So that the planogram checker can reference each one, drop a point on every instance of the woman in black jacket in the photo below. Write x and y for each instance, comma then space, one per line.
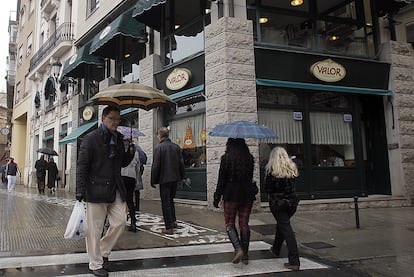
281, 172
235, 185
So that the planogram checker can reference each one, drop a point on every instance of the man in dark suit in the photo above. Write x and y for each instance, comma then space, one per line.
99, 183
167, 169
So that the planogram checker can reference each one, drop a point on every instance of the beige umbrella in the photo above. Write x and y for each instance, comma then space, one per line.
132, 95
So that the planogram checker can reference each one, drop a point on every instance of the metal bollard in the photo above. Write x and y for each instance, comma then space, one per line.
356, 211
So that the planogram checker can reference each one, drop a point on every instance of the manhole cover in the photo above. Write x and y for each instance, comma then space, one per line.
267, 229
318, 245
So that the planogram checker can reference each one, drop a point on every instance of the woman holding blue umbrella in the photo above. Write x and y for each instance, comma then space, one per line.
235, 187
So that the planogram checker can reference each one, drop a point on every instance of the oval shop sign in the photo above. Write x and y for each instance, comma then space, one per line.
178, 78
328, 71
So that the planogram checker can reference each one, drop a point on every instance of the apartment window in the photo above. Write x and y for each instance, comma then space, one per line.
32, 6
92, 6
22, 17
409, 30
29, 44
20, 55
17, 95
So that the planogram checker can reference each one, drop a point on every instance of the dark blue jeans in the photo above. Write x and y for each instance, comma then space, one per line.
284, 232
167, 193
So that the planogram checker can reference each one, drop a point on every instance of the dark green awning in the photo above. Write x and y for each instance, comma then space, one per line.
149, 12
108, 41
73, 136
287, 84
76, 65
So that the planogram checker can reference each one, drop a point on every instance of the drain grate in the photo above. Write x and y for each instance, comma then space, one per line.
265, 230
318, 245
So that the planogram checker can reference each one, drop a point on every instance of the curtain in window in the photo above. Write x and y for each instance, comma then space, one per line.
178, 129
330, 128
282, 123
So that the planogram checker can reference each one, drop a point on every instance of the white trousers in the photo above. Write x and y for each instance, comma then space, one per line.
98, 247
11, 182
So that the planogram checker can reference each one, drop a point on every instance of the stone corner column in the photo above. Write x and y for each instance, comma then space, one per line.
230, 86
149, 122
401, 57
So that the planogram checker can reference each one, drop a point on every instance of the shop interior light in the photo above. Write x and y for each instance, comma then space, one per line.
263, 20
333, 38
208, 11
177, 26
126, 56
296, 3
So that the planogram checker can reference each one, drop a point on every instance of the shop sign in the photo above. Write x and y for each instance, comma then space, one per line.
73, 59
105, 32
178, 78
328, 71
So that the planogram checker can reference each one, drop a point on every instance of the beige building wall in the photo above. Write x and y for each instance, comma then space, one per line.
23, 88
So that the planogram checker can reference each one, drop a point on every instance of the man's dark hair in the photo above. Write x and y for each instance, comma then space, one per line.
109, 109
163, 132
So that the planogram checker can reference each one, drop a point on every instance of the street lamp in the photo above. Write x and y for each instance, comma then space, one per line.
56, 70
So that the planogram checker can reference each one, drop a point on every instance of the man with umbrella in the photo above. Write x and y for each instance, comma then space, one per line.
41, 167
99, 183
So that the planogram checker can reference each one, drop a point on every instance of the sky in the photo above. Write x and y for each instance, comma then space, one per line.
7, 6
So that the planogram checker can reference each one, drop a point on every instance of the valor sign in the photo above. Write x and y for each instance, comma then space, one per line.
328, 71
178, 78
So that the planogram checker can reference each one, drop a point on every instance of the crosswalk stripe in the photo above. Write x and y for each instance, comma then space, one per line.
162, 252
218, 269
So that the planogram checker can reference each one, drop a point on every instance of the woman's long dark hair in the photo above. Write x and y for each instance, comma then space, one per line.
238, 159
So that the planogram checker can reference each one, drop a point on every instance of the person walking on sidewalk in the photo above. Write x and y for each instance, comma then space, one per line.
167, 169
41, 167
140, 185
235, 186
131, 176
52, 172
11, 172
99, 183
281, 172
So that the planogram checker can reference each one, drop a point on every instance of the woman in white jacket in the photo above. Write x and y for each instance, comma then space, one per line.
132, 179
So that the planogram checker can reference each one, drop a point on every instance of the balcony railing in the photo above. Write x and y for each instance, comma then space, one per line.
63, 33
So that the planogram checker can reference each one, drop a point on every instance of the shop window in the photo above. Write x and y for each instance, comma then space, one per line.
276, 96
329, 100
190, 134
287, 124
332, 139
183, 33
323, 26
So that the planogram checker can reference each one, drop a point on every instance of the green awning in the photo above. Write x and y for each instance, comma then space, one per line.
76, 65
149, 12
288, 84
73, 136
123, 35
186, 93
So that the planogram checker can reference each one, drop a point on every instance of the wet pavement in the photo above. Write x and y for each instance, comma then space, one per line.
32, 243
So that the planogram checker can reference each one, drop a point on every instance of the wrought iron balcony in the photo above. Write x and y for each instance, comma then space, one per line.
62, 34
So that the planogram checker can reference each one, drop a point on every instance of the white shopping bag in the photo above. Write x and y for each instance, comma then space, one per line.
77, 222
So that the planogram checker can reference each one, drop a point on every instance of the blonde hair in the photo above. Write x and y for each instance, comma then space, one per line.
280, 165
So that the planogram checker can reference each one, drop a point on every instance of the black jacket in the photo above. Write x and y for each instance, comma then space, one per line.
99, 176
281, 188
167, 163
234, 187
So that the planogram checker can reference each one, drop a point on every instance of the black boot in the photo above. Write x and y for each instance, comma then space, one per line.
137, 196
245, 240
234, 238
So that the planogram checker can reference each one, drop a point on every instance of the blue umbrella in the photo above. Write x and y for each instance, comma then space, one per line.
242, 129
129, 132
